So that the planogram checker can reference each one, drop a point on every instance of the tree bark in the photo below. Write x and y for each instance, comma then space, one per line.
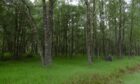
89, 36
131, 28
48, 26
120, 29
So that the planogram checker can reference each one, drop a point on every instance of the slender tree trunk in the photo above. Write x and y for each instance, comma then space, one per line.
116, 37
72, 39
48, 26
102, 26
94, 28
89, 33
120, 30
131, 28
17, 31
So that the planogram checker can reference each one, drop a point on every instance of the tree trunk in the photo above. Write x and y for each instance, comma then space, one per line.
89, 33
120, 30
102, 26
48, 26
131, 28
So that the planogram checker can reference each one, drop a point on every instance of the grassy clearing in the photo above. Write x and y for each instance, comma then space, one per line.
32, 72
132, 78
112, 78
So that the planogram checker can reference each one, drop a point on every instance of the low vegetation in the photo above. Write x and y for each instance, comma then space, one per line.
132, 78
65, 71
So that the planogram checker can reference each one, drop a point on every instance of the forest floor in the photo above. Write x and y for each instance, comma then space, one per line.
71, 71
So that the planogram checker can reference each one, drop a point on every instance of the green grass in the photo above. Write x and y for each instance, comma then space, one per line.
32, 72
132, 78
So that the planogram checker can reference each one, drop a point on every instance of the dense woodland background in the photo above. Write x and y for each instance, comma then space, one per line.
62, 28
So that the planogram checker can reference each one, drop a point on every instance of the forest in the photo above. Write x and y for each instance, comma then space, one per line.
69, 41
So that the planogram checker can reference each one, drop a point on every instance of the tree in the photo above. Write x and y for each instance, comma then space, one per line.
131, 27
89, 31
48, 27
102, 25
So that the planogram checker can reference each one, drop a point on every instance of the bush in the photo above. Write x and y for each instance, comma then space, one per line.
28, 55
7, 55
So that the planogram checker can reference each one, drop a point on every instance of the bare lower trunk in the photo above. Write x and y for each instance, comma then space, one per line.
88, 30
48, 26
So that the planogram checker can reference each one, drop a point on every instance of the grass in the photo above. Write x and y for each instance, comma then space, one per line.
32, 72
132, 78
